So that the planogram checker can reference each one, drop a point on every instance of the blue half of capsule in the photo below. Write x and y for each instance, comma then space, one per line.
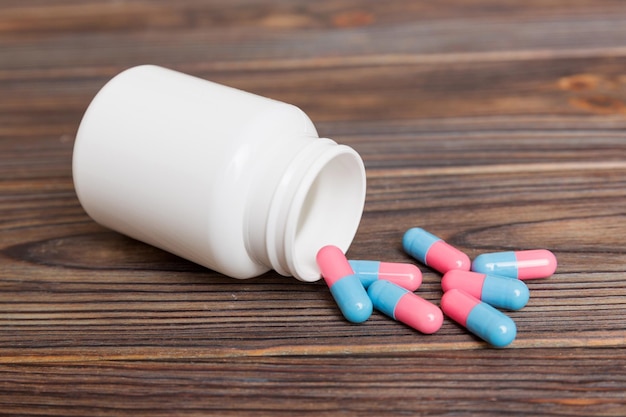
491, 325
499, 263
505, 292
352, 299
386, 296
416, 242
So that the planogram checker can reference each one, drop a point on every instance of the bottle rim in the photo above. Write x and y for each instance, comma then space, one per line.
320, 202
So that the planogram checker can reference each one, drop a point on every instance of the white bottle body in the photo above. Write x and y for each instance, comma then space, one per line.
233, 181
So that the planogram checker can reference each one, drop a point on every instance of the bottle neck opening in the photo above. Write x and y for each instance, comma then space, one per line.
318, 202
325, 208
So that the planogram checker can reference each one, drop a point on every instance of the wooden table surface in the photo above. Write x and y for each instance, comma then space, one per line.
497, 125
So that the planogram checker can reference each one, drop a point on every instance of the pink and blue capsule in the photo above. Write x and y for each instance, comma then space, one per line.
405, 306
405, 275
345, 286
433, 251
525, 264
479, 318
497, 291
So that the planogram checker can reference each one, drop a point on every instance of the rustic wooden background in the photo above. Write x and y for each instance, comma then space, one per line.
497, 125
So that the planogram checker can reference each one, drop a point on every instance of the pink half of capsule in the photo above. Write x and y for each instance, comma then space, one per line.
333, 264
403, 274
405, 306
433, 251
444, 257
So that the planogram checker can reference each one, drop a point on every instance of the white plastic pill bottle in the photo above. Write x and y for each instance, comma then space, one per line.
230, 180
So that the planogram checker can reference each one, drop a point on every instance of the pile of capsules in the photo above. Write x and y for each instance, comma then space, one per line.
473, 291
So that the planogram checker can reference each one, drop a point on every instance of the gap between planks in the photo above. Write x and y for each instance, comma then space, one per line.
69, 355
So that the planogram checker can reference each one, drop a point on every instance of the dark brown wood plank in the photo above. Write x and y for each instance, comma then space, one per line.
541, 383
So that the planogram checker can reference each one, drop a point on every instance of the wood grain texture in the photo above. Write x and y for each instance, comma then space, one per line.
497, 125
